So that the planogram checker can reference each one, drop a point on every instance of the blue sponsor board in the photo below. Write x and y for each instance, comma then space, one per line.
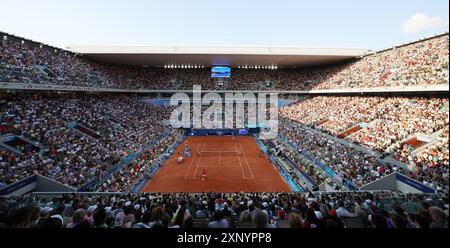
310, 180
243, 132
222, 132
285, 175
412, 183
348, 184
7, 138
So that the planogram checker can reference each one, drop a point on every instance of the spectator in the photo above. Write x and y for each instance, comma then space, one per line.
156, 213
78, 216
438, 218
295, 221
342, 212
311, 220
219, 221
21, 218
100, 218
146, 220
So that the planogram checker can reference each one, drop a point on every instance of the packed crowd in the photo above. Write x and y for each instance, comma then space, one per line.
421, 63
73, 157
400, 117
387, 120
331, 114
233, 210
346, 162
298, 164
432, 163
129, 176
122, 124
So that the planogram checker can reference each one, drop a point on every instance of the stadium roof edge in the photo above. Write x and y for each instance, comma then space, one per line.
446, 33
209, 55
200, 46
260, 56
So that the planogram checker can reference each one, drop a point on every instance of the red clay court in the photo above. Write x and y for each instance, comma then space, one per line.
232, 166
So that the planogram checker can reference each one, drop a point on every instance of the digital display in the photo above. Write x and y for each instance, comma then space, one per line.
220, 72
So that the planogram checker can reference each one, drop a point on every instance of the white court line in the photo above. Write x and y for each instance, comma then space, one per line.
211, 166
218, 151
248, 165
192, 161
198, 161
240, 165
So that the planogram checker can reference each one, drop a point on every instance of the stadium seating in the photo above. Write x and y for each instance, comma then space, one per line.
122, 122
108, 143
386, 122
421, 63
332, 210
71, 156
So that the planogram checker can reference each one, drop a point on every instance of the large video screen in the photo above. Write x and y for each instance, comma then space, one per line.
220, 72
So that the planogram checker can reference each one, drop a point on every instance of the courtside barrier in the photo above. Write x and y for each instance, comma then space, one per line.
280, 168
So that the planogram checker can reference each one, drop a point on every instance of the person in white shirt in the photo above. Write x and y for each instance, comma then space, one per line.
342, 212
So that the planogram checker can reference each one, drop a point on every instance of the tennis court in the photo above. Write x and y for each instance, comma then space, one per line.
232, 165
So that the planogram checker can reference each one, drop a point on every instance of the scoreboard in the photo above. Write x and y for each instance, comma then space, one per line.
220, 72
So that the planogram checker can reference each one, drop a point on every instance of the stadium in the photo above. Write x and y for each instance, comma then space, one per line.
87, 139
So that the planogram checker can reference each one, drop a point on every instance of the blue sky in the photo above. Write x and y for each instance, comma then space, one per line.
368, 24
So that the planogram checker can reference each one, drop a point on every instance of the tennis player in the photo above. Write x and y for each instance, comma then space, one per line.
204, 174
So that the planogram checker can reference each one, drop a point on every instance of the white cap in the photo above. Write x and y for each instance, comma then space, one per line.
46, 210
57, 216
